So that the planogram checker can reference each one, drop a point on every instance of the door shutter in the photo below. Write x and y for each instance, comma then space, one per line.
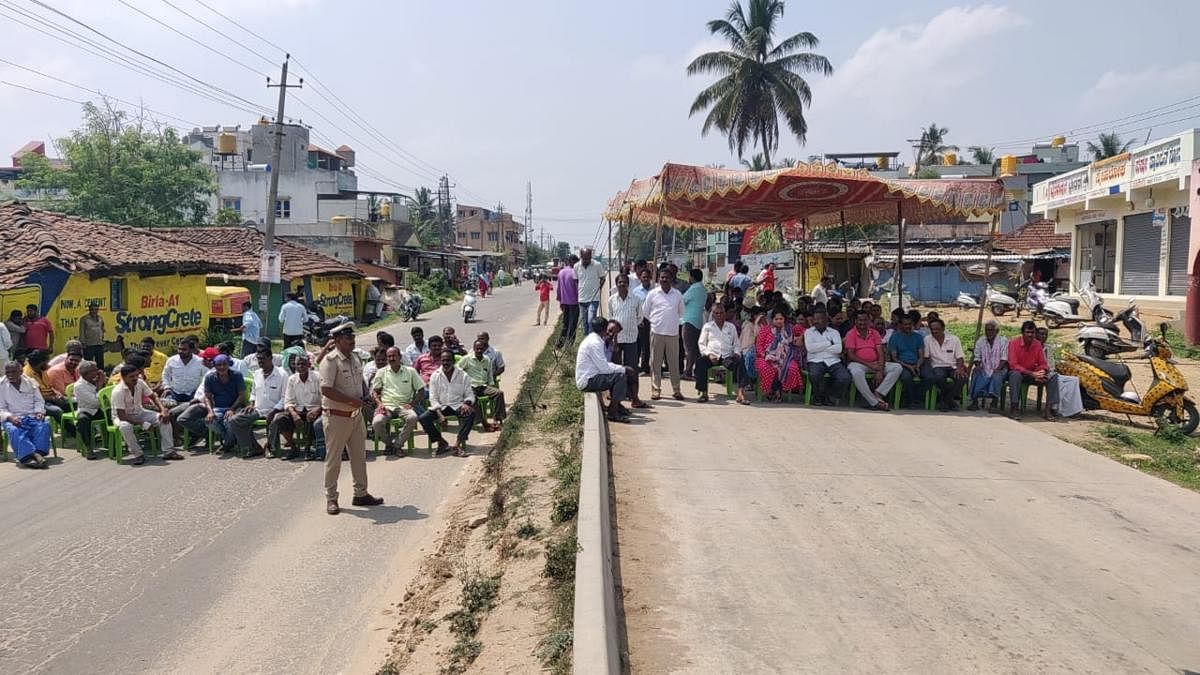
1181, 228
1139, 259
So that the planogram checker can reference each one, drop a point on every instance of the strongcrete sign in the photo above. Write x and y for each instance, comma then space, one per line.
334, 294
164, 308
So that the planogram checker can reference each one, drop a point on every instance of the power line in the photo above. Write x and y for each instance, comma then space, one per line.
185, 36
213, 29
43, 93
1101, 125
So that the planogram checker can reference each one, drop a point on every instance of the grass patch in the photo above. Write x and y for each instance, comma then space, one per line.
1174, 456
568, 463
560, 559
478, 597
1179, 343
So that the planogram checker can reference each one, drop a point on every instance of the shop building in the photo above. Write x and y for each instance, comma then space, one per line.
1129, 219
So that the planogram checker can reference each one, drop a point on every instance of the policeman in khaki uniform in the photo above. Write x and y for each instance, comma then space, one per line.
342, 396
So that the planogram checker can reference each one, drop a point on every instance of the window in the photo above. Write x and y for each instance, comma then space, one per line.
474, 235
283, 208
232, 203
116, 294
492, 236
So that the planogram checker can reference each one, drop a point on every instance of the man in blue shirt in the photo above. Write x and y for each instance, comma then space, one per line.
224, 397
251, 330
741, 279
908, 349
694, 299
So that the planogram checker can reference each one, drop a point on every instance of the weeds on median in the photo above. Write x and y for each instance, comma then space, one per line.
1174, 456
478, 597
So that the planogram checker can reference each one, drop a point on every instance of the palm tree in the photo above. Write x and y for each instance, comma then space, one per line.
982, 155
933, 144
759, 163
760, 80
1109, 145
423, 215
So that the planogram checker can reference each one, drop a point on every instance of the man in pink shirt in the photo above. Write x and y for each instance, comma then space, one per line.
864, 351
1027, 365
39, 332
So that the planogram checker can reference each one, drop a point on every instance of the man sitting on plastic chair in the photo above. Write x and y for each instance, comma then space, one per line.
269, 383
128, 412
450, 394
302, 405
224, 396
396, 389
479, 368
24, 413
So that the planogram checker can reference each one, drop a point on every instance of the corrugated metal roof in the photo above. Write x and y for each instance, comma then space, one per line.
890, 256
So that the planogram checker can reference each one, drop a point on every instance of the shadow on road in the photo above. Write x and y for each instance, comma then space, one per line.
387, 514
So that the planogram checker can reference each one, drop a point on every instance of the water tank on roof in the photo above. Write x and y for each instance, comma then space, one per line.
226, 144
1008, 165
1058, 141
949, 159
339, 220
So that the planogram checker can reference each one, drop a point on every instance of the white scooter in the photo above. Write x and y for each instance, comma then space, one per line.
1093, 303
1057, 311
468, 306
966, 301
1000, 303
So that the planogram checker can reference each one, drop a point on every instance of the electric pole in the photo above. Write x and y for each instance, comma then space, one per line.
269, 258
528, 217
444, 219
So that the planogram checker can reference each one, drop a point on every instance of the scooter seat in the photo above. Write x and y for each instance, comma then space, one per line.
1119, 372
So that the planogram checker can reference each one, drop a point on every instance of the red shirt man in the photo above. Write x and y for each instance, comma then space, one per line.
1026, 356
543, 288
38, 330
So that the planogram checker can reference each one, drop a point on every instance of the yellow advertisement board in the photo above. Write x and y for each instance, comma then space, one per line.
334, 294
19, 298
164, 308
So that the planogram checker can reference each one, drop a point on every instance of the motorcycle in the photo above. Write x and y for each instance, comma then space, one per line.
1094, 303
411, 307
468, 306
316, 330
1056, 310
966, 301
1102, 386
1102, 339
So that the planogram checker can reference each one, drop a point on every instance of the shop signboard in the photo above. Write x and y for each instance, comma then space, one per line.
1069, 188
334, 294
164, 308
1158, 163
1095, 216
1109, 175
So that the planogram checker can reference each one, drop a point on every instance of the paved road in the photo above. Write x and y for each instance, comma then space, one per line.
783, 539
224, 564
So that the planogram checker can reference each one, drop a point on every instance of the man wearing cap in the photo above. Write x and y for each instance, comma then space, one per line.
91, 334
343, 394
224, 396
291, 317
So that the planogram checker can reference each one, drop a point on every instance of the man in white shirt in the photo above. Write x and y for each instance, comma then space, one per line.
594, 372
823, 346
990, 367
128, 411
944, 367
625, 309
820, 292
417, 348
590, 275
23, 411
450, 394
719, 347
181, 375
301, 409
269, 383
663, 308
292, 316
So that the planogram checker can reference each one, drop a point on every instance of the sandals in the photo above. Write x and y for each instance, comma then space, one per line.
702, 398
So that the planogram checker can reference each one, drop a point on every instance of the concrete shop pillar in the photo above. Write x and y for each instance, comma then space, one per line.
1192, 313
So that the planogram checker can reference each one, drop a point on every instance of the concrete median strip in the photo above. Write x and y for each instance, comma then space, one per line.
596, 628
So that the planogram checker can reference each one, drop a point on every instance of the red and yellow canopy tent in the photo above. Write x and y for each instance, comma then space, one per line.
811, 196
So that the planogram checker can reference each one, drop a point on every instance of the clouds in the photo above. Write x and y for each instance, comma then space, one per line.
1141, 87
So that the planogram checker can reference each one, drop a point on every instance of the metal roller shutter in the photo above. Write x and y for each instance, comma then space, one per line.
1181, 227
1139, 259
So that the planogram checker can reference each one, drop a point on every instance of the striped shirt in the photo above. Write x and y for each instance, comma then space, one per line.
628, 312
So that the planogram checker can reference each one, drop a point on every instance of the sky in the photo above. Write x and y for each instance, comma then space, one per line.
578, 98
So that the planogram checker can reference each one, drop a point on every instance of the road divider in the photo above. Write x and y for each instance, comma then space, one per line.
596, 628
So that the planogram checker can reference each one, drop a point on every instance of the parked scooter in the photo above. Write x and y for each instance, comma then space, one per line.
1102, 386
1103, 339
966, 301
1057, 311
1093, 304
468, 306
1000, 303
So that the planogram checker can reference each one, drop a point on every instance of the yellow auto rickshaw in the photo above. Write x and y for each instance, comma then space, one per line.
226, 306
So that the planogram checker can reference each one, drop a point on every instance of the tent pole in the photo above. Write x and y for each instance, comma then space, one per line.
609, 253
658, 234
900, 253
627, 228
803, 255
845, 245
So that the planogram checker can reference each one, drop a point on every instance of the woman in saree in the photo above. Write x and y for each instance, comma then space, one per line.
776, 372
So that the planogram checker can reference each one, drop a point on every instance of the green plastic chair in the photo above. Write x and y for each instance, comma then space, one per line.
394, 425
115, 441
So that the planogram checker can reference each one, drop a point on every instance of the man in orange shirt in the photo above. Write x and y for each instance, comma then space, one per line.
1027, 365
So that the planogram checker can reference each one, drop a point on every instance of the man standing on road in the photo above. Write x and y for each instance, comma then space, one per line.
251, 330
543, 288
640, 291
291, 318
91, 334
594, 372
664, 309
626, 310
590, 276
820, 292
567, 293
694, 299
342, 397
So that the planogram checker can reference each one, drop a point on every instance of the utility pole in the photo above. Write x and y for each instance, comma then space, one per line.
528, 217
267, 279
443, 200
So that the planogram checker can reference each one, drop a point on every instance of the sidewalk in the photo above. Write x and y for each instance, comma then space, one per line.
784, 539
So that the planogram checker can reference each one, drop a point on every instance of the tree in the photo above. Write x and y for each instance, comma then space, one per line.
933, 145
562, 250
423, 215
227, 218
536, 255
759, 163
1108, 145
126, 171
759, 79
982, 155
